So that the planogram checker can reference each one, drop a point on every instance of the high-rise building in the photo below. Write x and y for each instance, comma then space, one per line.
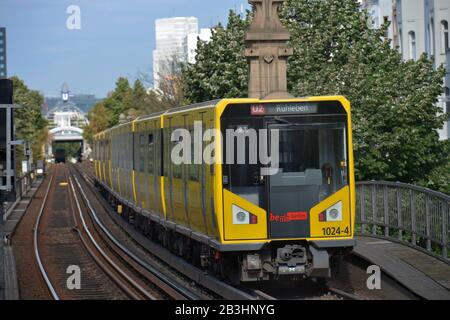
191, 42
3, 71
416, 27
170, 45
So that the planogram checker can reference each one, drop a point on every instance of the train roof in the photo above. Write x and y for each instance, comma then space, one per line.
216, 102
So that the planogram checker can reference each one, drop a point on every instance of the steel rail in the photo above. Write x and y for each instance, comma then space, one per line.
44, 274
197, 275
166, 280
119, 270
344, 294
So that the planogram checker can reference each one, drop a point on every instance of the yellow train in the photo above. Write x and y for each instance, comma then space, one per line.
264, 189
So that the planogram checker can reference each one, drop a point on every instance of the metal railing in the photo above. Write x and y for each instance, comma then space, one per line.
22, 186
412, 215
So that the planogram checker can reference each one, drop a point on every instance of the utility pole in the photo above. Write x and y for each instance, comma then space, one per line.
267, 51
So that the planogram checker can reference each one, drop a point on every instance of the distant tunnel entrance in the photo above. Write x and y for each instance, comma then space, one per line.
67, 151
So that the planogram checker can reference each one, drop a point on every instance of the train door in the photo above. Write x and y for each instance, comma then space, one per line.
293, 183
312, 159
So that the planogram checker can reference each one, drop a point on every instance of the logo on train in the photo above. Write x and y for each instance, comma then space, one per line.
289, 217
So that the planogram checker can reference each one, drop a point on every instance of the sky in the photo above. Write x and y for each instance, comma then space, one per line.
116, 38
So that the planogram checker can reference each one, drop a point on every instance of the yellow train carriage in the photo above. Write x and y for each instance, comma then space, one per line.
262, 222
147, 154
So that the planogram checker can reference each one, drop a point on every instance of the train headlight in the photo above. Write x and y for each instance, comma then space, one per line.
240, 216
334, 213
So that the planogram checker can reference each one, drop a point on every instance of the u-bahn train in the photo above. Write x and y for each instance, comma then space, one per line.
245, 219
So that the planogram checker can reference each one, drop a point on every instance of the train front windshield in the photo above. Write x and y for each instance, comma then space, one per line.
312, 162
314, 155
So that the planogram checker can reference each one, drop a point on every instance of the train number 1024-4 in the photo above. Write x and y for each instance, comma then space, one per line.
332, 231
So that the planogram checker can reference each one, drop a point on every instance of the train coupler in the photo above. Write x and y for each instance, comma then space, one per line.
291, 260
295, 261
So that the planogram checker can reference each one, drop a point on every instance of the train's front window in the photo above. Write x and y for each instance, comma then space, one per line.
312, 156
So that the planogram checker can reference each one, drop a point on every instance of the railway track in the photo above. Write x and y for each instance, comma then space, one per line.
57, 248
307, 290
65, 234
154, 253
140, 267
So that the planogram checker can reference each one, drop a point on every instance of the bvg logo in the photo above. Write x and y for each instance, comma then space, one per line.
289, 217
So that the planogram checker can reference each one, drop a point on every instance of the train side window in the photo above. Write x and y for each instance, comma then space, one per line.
176, 168
151, 146
127, 155
101, 150
193, 167
122, 154
142, 153
114, 152
161, 158
166, 154
119, 147
132, 159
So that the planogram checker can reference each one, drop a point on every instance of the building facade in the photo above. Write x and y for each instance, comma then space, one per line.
3, 71
66, 122
170, 45
191, 42
447, 92
417, 27
380, 11
176, 42
66, 113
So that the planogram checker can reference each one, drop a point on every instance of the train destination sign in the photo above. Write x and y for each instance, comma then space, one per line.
278, 109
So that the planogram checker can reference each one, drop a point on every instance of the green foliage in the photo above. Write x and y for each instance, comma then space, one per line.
394, 102
29, 123
439, 178
125, 103
394, 107
99, 120
72, 150
119, 101
221, 70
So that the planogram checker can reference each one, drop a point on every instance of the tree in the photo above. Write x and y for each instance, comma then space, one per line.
394, 102
147, 102
99, 121
119, 101
221, 69
394, 107
30, 125
72, 150
126, 102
